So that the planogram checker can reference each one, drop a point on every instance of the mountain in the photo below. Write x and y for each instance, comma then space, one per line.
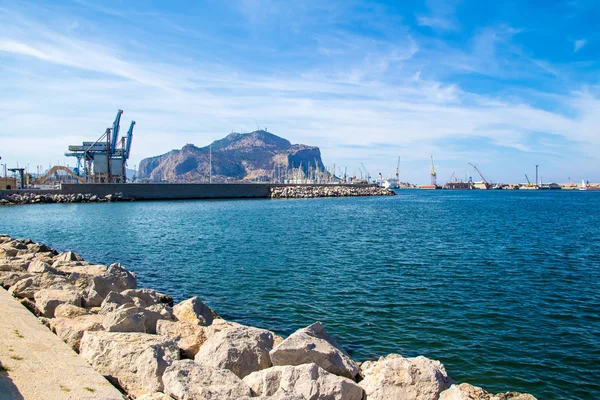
256, 156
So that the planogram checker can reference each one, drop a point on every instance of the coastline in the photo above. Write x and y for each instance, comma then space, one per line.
98, 310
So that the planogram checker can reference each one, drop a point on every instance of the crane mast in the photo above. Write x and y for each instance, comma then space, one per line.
485, 182
115, 132
433, 174
366, 172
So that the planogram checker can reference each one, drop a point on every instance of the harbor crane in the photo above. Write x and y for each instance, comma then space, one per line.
433, 174
528, 181
366, 172
485, 182
398, 171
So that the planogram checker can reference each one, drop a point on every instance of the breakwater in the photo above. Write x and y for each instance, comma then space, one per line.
186, 350
92, 193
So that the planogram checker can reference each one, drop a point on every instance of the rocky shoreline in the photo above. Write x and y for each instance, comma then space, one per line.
47, 198
153, 349
304, 192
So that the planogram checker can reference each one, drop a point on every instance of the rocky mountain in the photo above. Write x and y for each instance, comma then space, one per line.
256, 156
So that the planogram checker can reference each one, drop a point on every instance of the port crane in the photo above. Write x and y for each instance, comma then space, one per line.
433, 174
485, 182
398, 172
366, 172
528, 181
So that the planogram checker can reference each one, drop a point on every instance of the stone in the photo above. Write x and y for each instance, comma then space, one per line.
39, 267
27, 287
70, 311
76, 267
313, 344
219, 325
134, 361
396, 377
147, 297
194, 311
46, 300
189, 337
129, 318
115, 279
155, 396
112, 301
465, 391
187, 380
71, 330
307, 381
68, 256
8, 278
241, 350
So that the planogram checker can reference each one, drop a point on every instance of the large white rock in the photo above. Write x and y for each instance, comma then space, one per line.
70, 311
187, 380
189, 337
39, 267
313, 345
71, 330
68, 256
147, 297
465, 391
241, 350
194, 311
125, 319
134, 361
46, 300
115, 279
27, 287
307, 380
396, 377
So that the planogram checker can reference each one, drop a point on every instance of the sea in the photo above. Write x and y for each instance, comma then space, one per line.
503, 287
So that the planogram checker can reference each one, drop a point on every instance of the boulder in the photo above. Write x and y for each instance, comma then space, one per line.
194, 311
313, 344
155, 396
27, 286
219, 325
134, 361
147, 297
465, 391
77, 267
128, 318
307, 381
71, 330
46, 300
115, 279
14, 266
189, 337
112, 301
39, 267
396, 377
68, 256
187, 380
241, 350
8, 279
70, 311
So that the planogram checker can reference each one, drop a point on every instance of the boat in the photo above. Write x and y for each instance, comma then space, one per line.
390, 183
583, 185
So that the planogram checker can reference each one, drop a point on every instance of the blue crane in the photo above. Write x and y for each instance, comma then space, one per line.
128, 144
115, 132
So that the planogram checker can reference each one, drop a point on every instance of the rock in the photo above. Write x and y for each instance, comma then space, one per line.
112, 301
8, 279
40, 267
68, 256
69, 311
307, 380
189, 337
147, 297
134, 361
155, 396
125, 319
186, 380
219, 325
76, 267
71, 330
465, 391
241, 350
27, 287
313, 344
396, 377
115, 279
46, 300
128, 318
30, 305
194, 311
14, 266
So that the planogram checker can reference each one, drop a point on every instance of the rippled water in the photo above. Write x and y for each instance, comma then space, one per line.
501, 286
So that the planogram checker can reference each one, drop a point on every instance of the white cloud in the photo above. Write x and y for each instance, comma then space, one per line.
578, 44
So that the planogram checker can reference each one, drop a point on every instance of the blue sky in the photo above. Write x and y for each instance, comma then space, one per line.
504, 85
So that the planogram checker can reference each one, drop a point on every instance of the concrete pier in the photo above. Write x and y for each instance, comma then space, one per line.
37, 365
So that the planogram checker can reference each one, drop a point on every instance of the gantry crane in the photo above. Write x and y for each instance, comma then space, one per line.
366, 172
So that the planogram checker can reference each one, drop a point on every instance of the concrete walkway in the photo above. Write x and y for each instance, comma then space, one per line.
36, 365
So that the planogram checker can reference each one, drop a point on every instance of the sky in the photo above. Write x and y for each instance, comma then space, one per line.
503, 85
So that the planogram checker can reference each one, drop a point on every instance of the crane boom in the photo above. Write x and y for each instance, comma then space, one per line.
481, 175
366, 172
398, 170
528, 181
129, 138
115, 132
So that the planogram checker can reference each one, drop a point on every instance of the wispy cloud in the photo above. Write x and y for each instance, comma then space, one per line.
578, 44
441, 15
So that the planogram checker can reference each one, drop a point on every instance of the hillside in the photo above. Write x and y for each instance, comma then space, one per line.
255, 156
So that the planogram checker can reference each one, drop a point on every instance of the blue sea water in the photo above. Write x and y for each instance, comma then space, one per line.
503, 287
